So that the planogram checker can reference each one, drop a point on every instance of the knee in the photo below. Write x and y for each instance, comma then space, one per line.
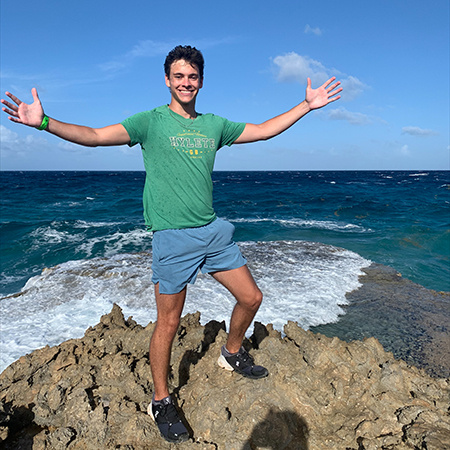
253, 299
168, 325
258, 298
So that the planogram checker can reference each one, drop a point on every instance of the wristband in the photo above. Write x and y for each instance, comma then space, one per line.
44, 123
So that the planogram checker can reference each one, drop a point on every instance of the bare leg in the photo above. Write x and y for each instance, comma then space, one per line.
248, 296
169, 308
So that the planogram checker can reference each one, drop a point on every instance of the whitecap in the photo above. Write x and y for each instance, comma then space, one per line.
309, 224
85, 224
115, 242
51, 235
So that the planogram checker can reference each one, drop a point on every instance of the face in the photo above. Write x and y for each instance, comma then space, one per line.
184, 81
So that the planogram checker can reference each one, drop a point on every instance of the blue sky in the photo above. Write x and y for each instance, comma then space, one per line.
97, 62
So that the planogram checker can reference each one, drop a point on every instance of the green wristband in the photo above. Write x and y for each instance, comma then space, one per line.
44, 123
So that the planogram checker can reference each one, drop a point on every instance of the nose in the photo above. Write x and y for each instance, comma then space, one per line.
186, 81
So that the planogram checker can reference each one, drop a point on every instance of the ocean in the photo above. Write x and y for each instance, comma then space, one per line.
74, 243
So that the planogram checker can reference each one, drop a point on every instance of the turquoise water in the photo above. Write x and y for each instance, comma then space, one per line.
400, 219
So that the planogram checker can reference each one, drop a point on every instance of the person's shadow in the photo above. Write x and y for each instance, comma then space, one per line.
279, 430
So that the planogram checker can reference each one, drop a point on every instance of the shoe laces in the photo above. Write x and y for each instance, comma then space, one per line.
245, 357
169, 413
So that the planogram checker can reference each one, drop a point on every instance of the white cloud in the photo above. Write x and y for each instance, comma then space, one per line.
404, 151
353, 118
10, 140
12, 144
7, 136
293, 67
317, 31
416, 131
352, 87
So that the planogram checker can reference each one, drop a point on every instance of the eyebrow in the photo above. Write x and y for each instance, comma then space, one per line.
182, 74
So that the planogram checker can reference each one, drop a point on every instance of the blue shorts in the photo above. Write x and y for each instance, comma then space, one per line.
178, 255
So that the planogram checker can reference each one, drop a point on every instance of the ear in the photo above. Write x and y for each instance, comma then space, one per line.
167, 80
201, 83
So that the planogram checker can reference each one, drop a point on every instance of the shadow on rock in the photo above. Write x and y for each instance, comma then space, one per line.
280, 430
259, 334
211, 330
192, 357
22, 428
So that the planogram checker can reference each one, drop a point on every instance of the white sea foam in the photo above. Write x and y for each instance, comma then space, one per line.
51, 235
112, 243
83, 224
309, 224
115, 242
301, 281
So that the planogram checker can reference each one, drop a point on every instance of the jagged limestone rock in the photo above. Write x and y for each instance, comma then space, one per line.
93, 392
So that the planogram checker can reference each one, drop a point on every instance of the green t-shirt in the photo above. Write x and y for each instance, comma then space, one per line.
179, 156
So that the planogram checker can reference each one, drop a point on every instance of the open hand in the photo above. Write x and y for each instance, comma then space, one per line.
20, 112
317, 98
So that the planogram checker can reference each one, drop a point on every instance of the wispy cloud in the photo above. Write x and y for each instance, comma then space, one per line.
55, 80
14, 145
7, 137
352, 87
353, 118
293, 67
404, 151
149, 49
143, 49
416, 131
310, 30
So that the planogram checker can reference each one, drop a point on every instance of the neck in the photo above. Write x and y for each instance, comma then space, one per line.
187, 111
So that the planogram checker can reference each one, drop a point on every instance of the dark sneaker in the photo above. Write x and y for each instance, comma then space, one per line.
168, 420
242, 363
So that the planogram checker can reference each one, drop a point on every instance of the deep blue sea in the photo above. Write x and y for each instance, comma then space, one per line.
72, 243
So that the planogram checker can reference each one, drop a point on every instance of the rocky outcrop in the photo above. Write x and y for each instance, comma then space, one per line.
409, 320
92, 393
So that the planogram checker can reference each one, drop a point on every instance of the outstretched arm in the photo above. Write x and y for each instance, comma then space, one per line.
33, 114
314, 99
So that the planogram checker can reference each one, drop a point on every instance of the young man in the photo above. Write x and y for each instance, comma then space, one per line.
179, 147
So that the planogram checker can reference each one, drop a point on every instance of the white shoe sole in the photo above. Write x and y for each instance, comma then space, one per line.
150, 412
224, 363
